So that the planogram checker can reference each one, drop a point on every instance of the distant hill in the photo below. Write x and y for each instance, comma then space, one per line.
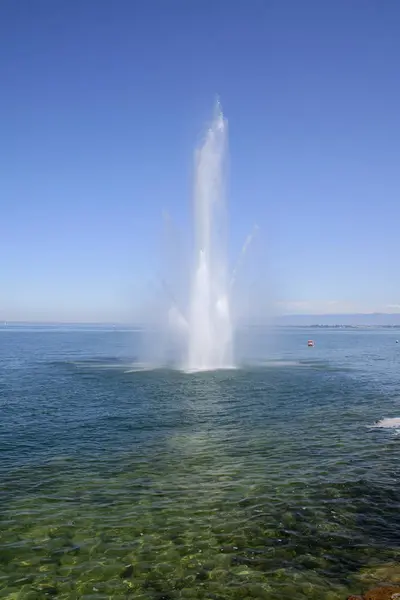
346, 320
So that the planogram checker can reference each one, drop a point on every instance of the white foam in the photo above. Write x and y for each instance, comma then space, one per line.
393, 423
208, 369
141, 367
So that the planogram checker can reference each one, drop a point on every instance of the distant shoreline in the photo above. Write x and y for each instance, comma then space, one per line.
9, 325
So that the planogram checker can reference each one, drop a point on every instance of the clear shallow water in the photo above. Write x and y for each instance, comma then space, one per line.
260, 482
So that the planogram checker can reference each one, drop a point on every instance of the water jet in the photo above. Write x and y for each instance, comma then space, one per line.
209, 324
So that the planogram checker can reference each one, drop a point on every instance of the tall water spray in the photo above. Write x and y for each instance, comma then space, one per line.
209, 319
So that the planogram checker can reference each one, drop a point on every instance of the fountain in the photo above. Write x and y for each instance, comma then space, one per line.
197, 334
190, 325
209, 326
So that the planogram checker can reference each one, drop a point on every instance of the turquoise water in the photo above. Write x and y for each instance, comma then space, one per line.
263, 482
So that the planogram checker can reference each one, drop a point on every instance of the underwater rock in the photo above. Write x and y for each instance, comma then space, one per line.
202, 575
127, 572
46, 589
384, 592
388, 592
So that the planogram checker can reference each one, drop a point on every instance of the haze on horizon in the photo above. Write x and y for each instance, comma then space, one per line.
102, 105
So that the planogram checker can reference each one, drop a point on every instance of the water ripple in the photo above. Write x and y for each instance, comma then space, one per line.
260, 482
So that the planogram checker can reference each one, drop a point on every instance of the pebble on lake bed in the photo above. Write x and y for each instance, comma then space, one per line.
384, 592
127, 572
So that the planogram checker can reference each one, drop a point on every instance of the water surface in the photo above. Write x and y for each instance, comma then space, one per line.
261, 482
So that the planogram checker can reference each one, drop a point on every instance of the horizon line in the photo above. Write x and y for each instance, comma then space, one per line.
132, 323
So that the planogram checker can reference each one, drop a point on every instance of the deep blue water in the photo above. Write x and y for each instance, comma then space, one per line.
263, 482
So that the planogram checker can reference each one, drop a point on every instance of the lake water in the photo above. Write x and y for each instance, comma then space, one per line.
267, 481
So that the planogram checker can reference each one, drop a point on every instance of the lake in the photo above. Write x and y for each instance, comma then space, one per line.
267, 481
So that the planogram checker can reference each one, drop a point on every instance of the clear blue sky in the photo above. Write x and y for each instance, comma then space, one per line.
102, 102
